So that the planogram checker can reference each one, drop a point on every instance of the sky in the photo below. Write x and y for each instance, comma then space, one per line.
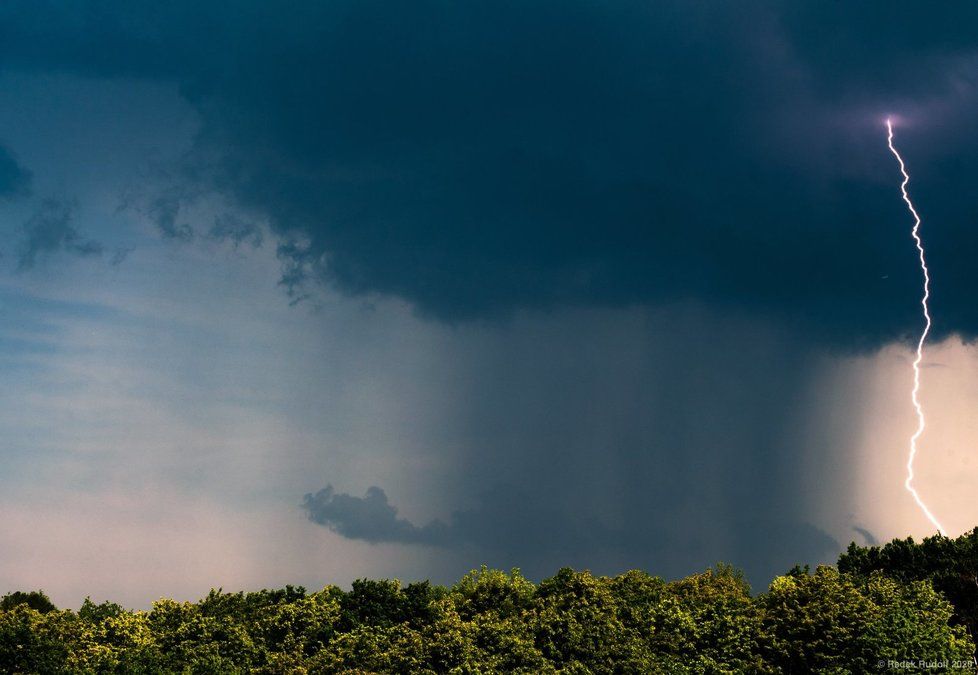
308, 292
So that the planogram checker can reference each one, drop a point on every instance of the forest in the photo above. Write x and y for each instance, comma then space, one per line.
905, 606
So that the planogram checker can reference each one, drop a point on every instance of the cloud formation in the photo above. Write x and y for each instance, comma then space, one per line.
229, 227
50, 231
370, 518
480, 158
511, 525
164, 210
506, 519
879, 48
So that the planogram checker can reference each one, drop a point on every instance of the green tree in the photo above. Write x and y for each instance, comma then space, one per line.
721, 633
36, 600
578, 628
498, 622
838, 623
487, 591
116, 642
32, 642
386, 603
951, 565
489, 609
201, 643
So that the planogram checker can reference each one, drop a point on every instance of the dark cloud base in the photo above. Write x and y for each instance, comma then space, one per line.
479, 158
614, 440
370, 518
511, 528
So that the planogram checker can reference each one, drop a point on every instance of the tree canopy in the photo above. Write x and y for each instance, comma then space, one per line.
950, 565
900, 603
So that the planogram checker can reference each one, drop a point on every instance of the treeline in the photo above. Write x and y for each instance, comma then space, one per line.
905, 606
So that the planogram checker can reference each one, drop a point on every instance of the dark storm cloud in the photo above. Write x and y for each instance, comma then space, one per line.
506, 519
370, 518
511, 525
50, 231
611, 440
480, 158
14, 179
900, 46
475, 158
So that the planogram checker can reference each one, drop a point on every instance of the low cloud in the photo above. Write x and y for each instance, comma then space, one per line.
512, 527
369, 518
504, 518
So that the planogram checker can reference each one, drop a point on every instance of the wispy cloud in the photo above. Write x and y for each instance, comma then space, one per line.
50, 231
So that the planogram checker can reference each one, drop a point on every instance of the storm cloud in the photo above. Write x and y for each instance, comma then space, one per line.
479, 158
506, 519
613, 439
370, 518
882, 49
635, 228
510, 527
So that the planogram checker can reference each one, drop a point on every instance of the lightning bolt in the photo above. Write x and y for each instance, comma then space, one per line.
914, 393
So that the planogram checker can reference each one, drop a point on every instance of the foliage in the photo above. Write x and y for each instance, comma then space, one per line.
497, 622
950, 565
829, 622
33, 599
